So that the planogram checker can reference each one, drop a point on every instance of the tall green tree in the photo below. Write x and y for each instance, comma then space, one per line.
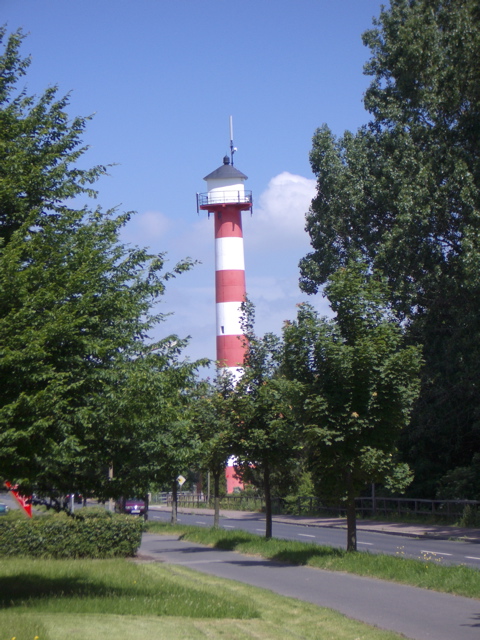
404, 191
267, 435
39, 148
151, 437
216, 423
359, 382
76, 305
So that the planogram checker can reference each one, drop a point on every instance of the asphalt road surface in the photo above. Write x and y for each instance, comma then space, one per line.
417, 613
442, 551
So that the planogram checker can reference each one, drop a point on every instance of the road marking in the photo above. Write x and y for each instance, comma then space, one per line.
472, 558
228, 526
369, 543
436, 553
190, 562
259, 529
306, 535
199, 522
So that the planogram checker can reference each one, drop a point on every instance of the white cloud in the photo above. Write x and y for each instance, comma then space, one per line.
275, 241
279, 218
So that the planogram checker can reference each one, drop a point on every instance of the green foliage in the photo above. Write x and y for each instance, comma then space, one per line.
156, 402
215, 420
470, 517
39, 147
267, 433
404, 192
58, 536
461, 483
76, 313
360, 383
215, 425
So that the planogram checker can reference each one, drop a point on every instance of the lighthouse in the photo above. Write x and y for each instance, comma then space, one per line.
226, 199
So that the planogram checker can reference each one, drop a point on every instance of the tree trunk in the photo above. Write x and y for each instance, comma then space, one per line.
268, 502
111, 501
216, 498
173, 519
147, 504
351, 517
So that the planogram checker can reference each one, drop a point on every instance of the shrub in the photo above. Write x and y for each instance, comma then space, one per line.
470, 517
95, 535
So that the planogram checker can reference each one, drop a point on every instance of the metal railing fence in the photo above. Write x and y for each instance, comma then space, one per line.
224, 197
309, 505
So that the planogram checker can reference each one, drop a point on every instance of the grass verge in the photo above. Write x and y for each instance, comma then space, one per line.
124, 600
426, 573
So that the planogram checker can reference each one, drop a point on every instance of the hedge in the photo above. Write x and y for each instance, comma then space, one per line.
59, 536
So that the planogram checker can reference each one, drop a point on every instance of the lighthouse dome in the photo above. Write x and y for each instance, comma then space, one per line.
226, 172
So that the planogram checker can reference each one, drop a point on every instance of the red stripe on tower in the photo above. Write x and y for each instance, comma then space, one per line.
226, 198
229, 285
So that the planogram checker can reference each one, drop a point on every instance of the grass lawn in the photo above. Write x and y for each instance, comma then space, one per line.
127, 600
427, 573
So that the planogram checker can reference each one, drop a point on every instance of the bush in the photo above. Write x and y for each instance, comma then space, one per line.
470, 517
95, 535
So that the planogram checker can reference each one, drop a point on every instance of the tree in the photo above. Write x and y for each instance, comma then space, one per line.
404, 191
151, 437
76, 306
360, 383
267, 437
216, 422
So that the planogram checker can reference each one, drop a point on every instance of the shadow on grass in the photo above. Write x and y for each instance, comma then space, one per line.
16, 590
231, 543
305, 556
226, 543
291, 553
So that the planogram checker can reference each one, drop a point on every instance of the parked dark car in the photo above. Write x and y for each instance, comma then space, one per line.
132, 506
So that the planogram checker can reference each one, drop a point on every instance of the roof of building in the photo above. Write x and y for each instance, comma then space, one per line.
226, 171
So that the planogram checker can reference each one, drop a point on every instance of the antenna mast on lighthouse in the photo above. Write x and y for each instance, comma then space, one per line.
226, 198
232, 148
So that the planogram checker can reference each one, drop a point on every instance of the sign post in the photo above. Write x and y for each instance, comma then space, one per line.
24, 502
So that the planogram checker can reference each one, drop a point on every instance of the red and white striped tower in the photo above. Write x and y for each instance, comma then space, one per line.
226, 198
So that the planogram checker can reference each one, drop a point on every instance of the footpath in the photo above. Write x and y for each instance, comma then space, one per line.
416, 613
440, 532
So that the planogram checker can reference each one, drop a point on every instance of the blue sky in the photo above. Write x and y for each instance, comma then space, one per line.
162, 79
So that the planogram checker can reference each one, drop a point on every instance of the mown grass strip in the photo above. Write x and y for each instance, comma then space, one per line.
426, 573
121, 600
110, 586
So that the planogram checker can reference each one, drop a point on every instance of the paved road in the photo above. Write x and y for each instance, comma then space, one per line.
417, 613
446, 545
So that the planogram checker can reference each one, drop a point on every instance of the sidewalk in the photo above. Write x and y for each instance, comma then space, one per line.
440, 532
